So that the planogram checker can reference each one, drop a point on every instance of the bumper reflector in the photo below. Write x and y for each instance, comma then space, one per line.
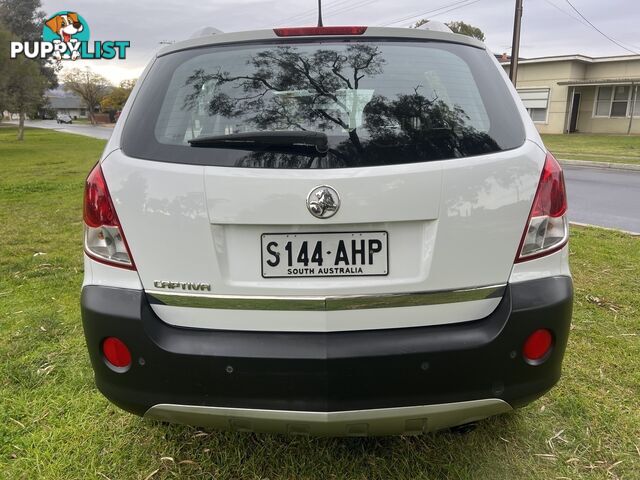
116, 353
537, 346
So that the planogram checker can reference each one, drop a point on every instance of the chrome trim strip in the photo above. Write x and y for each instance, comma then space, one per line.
380, 421
325, 303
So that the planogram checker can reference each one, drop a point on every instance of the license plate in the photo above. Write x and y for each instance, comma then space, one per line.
343, 254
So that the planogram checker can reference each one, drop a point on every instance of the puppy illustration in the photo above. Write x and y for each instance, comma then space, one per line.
65, 25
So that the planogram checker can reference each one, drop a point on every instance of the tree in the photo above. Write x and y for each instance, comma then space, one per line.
24, 19
5, 60
118, 96
22, 84
89, 86
419, 23
466, 29
457, 27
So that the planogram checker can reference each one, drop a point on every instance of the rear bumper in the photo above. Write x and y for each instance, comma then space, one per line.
379, 421
364, 382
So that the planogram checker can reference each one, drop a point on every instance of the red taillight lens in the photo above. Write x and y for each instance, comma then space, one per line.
310, 31
116, 353
537, 345
551, 197
103, 236
546, 231
98, 209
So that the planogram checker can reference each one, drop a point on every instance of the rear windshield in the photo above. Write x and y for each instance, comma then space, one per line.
377, 102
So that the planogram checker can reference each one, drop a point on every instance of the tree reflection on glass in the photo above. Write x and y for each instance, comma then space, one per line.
286, 89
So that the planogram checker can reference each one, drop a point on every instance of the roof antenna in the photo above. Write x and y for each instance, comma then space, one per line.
319, 13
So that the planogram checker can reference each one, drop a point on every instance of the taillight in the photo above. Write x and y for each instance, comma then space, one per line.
547, 230
103, 236
310, 31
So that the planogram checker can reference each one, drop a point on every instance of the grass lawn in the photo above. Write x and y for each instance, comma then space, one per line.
55, 425
596, 148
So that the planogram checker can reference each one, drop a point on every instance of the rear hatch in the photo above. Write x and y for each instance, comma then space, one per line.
416, 197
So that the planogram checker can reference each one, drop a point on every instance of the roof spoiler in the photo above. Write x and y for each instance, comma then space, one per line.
435, 26
205, 31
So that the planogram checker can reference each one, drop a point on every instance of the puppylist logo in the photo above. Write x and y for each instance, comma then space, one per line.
65, 36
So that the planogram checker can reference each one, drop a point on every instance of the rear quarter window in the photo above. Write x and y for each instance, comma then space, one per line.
378, 102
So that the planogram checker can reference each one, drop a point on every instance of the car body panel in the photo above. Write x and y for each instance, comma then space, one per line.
210, 217
414, 350
203, 224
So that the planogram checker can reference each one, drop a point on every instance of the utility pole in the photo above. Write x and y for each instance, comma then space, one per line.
515, 44
319, 13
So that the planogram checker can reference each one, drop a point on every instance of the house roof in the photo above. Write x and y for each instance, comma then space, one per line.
601, 81
66, 101
577, 58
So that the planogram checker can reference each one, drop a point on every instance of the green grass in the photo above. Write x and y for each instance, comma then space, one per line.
595, 148
55, 425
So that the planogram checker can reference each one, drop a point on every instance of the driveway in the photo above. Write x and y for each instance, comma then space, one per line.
604, 197
102, 132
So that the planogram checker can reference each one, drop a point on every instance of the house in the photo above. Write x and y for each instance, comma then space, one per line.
62, 102
577, 93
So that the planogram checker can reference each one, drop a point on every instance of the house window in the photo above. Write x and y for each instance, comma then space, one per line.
636, 107
536, 101
83, 112
620, 101
538, 114
603, 101
615, 102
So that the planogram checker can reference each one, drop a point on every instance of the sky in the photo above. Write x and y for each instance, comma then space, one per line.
549, 27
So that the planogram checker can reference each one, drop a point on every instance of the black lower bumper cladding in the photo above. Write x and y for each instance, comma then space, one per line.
328, 372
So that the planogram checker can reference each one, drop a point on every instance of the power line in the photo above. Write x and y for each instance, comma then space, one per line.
455, 8
333, 8
600, 31
342, 6
352, 7
453, 4
582, 22
557, 7
311, 12
409, 17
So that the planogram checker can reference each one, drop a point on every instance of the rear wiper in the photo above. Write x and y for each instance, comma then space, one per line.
283, 139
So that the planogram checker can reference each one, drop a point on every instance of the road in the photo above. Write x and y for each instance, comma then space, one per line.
86, 130
604, 197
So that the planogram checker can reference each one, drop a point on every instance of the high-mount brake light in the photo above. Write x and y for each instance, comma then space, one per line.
103, 236
311, 31
546, 231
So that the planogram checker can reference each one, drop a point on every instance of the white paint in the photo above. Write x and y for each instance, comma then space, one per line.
451, 224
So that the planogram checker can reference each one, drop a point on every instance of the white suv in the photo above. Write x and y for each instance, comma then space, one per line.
333, 230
